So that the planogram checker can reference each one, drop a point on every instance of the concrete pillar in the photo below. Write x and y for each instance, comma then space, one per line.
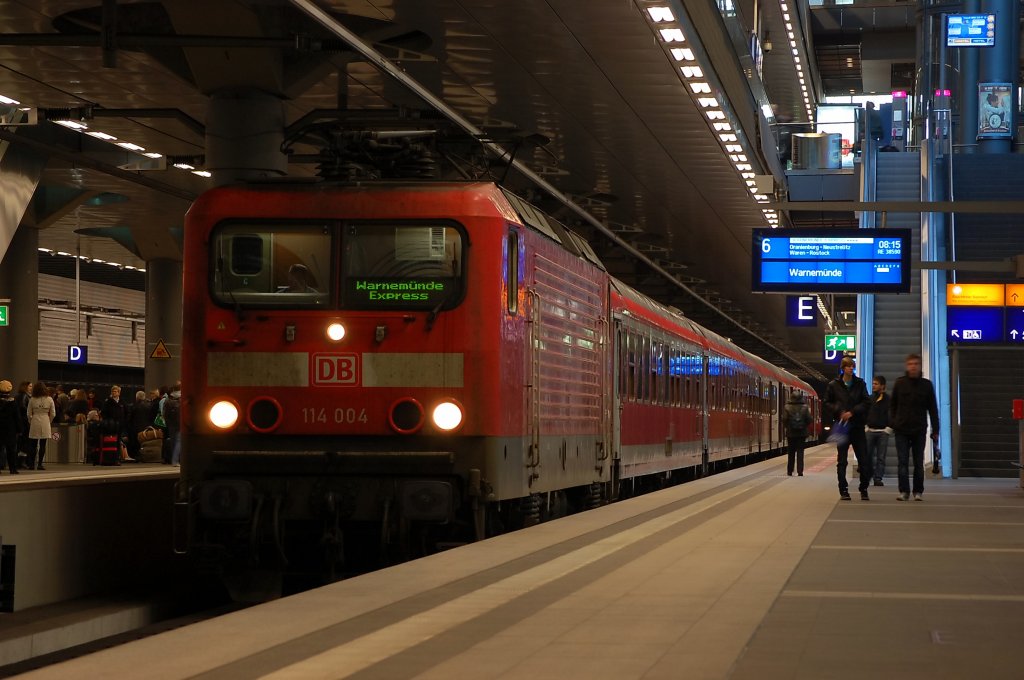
999, 64
19, 290
163, 321
244, 131
969, 58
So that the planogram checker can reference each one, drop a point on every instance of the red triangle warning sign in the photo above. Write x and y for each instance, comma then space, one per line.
160, 351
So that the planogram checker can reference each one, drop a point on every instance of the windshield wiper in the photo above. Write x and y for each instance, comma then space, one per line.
436, 311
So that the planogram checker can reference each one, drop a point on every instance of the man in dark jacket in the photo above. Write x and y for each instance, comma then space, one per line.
911, 405
848, 401
10, 428
877, 428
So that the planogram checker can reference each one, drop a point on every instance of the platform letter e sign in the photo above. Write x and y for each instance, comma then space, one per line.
335, 369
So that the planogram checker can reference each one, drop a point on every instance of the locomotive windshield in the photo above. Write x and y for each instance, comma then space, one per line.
406, 266
272, 265
381, 266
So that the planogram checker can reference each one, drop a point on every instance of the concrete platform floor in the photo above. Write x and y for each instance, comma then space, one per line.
69, 473
746, 574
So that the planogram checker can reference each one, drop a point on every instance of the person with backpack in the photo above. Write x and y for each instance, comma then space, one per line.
798, 419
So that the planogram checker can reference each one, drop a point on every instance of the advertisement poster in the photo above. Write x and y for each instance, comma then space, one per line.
994, 109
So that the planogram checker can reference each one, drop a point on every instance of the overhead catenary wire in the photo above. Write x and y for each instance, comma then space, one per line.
391, 69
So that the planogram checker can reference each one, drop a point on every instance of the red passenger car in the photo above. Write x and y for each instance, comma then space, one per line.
431, 363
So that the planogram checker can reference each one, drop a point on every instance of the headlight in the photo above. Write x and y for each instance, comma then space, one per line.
223, 414
336, 331
447, 416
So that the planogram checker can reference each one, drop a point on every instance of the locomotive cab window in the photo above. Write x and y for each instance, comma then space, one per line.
401, 266
271, 265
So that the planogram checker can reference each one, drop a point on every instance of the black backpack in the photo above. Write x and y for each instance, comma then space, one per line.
796, 424
172, 412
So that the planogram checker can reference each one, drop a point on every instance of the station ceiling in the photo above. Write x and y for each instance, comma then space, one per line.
610, 121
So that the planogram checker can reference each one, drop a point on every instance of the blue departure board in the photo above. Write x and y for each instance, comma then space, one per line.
831, 260
970, 30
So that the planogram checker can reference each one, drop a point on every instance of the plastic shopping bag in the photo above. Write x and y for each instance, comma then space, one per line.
840, 434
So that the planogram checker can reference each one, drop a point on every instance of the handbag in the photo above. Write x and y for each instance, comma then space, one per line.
150, 433
840, 434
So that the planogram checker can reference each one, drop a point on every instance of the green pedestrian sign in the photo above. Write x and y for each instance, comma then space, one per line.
4, 310
840, 343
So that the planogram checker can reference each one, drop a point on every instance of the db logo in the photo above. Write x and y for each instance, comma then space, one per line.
335, 369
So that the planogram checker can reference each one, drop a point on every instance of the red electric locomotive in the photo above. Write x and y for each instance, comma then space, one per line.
427, 364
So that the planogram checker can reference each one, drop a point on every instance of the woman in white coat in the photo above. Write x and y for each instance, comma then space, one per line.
41, 413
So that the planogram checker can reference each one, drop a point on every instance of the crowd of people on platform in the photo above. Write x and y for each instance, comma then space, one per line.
28, 414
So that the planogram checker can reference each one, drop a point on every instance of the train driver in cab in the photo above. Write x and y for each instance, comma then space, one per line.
300, 280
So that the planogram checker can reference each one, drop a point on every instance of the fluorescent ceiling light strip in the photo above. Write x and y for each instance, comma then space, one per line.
101, 135
73, 124
660, 14
672, 35
8, 100
682, 54
130, 146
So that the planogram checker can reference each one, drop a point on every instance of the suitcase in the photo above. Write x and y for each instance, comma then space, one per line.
110, 450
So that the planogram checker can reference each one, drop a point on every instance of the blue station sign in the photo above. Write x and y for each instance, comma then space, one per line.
974, 324
802, 311
78, 354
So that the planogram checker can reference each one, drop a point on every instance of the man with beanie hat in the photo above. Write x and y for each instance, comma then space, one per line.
10, 427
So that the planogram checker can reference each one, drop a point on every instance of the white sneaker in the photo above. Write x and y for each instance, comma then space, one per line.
917, 497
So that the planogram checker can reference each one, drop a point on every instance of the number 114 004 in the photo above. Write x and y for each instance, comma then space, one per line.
339, 415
